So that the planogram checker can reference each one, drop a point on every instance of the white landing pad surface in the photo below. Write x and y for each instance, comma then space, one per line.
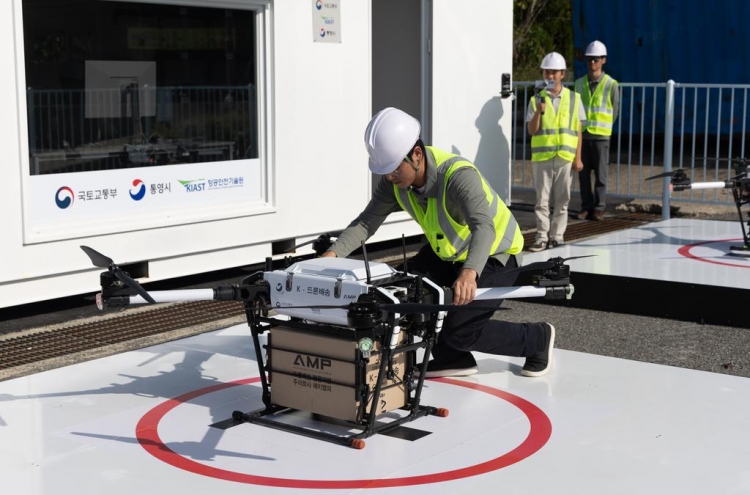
676, 250
138, 423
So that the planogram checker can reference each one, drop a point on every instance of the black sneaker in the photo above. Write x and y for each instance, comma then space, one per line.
540, 363
461, 367
554, 244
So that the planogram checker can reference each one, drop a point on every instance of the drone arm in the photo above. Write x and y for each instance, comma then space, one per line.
396, 327
188, 295
440, 300
708, 185
244, 293
523, 291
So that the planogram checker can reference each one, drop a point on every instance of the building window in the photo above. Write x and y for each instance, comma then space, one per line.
115, 85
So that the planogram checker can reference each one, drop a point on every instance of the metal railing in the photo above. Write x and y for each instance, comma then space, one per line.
660, 127
85, 129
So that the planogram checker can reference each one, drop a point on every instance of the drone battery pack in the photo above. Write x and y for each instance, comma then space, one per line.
320, 373
322, 282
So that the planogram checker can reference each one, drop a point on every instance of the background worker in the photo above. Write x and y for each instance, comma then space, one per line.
555, 131
473, 239
601, 98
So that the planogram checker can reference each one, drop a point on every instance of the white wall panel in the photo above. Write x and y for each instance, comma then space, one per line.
317, 100
472, 46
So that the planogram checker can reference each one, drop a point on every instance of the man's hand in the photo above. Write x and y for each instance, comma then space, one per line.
465, 286
328, 254
577, 165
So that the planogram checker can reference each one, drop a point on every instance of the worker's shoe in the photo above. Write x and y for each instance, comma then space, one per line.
597, 215
464, 366
583, 215
538, 246
541, 362
554, 244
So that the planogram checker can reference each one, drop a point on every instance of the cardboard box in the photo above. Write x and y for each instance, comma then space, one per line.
331, 370
335, 401
317, 373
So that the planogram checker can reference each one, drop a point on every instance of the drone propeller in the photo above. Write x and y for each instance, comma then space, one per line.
673, 174
101, 261
546, 265
97, 258
320, 243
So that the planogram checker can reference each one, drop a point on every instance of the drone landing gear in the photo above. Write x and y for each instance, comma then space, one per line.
743, 251
741, 193
357, 380
267, 417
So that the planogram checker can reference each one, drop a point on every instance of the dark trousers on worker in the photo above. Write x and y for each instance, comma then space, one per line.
465, 331
595, 158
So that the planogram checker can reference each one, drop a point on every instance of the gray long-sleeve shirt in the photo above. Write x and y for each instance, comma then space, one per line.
465, 201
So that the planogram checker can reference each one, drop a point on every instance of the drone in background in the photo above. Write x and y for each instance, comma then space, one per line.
740, 186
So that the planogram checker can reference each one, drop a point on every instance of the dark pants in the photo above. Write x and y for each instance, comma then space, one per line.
595, 158
465, 331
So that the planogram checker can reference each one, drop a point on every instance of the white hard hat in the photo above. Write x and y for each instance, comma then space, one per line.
390, 136
553, 61
596, 49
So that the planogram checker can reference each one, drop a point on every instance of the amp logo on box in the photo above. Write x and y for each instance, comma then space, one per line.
312, 362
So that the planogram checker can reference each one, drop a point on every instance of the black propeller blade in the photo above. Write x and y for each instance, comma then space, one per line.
546, 265
323, 242
579, 257
101, 261
97, 258
665, 174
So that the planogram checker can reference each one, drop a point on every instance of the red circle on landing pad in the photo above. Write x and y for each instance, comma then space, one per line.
148, 436
685, 251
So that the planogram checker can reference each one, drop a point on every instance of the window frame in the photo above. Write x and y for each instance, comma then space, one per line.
39, 232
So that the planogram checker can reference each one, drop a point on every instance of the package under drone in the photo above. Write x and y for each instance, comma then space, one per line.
326, 374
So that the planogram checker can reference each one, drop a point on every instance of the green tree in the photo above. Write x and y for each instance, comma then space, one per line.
540, 27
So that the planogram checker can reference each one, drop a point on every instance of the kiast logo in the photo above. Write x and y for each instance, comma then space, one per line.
64, 197
138, 190
193, 185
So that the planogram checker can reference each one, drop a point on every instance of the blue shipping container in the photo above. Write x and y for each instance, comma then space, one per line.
688, 41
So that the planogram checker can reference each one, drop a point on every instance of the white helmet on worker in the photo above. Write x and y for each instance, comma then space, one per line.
596, 49
553, 61
390, 136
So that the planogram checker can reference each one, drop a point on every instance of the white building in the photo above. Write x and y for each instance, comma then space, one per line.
184, 136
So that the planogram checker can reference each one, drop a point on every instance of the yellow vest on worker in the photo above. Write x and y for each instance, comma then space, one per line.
600, 114
558, 131
448, 238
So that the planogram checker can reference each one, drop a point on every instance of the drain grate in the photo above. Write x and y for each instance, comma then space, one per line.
33, 346
582, 230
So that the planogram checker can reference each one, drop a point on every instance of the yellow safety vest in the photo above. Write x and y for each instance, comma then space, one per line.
558, 131
600, 114
448, 238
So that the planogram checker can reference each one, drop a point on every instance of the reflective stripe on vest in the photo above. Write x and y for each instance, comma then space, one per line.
449, 239
600, 114
558, 131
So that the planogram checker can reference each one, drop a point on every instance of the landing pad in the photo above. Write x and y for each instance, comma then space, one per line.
677, 268
157, 420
